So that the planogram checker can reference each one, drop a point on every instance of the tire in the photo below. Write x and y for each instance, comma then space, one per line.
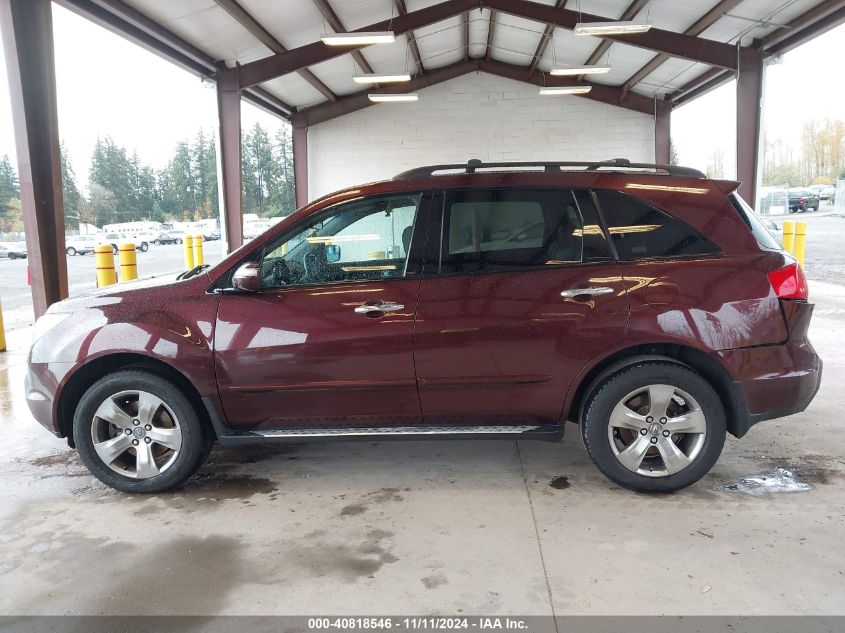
157, 242
144, 247
12, 256
178, 241
116, 397
691, 454
114, 249
70, 250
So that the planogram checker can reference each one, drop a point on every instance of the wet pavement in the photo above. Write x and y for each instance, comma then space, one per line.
488, 527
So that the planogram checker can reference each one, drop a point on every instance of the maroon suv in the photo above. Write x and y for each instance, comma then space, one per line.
646, 303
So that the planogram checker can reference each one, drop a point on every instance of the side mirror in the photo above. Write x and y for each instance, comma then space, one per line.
247, 278
332, 253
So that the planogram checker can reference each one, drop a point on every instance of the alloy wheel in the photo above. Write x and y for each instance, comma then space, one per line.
657, 430
136, 434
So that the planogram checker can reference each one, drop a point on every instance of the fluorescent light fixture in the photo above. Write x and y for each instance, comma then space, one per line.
579, 70
566, 90
393, 98
610, 28
357, 38
374, 78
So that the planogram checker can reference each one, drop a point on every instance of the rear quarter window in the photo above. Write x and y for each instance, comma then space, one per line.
759, 230
642, 231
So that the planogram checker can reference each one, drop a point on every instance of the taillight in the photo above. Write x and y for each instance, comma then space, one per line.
789, 282
803, 200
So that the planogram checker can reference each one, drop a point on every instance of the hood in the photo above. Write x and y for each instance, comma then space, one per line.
162, 285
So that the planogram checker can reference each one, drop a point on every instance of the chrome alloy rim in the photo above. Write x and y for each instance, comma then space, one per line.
136, 434
657, 430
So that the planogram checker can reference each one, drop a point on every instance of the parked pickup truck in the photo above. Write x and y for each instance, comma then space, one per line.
802, 199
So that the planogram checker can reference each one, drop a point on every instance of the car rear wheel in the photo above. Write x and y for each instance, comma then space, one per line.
143, 247
137, 432
71, 251
654, 427
178, 241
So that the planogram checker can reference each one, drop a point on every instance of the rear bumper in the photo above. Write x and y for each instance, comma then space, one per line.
774, 381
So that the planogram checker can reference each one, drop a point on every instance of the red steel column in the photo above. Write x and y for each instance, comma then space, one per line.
229, 114
300, 163
662, 130
27, 30
749, 110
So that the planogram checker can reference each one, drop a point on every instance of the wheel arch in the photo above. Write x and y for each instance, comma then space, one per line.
90, 372
700, 362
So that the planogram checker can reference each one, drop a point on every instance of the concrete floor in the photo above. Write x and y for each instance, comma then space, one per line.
486, 527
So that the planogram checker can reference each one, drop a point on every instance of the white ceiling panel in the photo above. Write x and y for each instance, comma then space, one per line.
205, 25
293, 22
296, 23
441, 43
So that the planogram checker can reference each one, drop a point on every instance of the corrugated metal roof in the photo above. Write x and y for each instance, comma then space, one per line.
206, 25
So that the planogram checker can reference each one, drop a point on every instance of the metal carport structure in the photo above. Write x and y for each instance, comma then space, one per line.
693, 48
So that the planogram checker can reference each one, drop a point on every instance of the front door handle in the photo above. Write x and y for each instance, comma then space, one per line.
370, 308
593, 291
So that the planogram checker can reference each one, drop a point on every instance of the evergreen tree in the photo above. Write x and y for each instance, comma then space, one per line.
9, 188
73, 201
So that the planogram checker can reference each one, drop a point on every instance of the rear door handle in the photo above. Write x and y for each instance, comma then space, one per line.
379, 307
593, 291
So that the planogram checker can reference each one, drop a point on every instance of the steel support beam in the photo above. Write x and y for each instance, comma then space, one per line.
359, 100
675, 44
331, 17
628, 14
257, 30
316, 52
700, 25
818, 20
27, 32
300, 163
662, 131
231, 178
545, 38
600, 92
491, 29
749, 112
412, 40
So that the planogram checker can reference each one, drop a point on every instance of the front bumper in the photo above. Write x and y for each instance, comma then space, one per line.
774, 381
41, 384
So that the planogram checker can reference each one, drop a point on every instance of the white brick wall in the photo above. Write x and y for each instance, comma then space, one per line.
474, 116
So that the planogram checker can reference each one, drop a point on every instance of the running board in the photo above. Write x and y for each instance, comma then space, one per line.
549, 433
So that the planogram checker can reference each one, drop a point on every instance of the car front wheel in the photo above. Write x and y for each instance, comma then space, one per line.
71, 251
137, 432
654, 427
143, 247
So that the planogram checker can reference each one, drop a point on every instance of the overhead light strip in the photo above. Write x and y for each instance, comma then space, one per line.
570, 71
610, 28
357, 38
565, 90
374, 78
393, 98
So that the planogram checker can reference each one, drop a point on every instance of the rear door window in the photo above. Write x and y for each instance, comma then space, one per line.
641, 231
490, 230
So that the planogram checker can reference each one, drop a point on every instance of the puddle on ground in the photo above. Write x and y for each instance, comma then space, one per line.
560, 483
760, 485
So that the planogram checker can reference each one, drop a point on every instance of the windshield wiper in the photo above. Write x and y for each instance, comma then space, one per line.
193, 272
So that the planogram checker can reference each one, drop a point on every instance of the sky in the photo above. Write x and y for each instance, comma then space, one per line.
147, 104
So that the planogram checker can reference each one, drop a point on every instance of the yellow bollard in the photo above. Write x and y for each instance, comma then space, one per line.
2, 331
789, 236
189, 252
128, 261
800, 241
104, 263
198, 254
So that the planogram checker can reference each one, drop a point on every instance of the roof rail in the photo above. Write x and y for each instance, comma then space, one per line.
472, 165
